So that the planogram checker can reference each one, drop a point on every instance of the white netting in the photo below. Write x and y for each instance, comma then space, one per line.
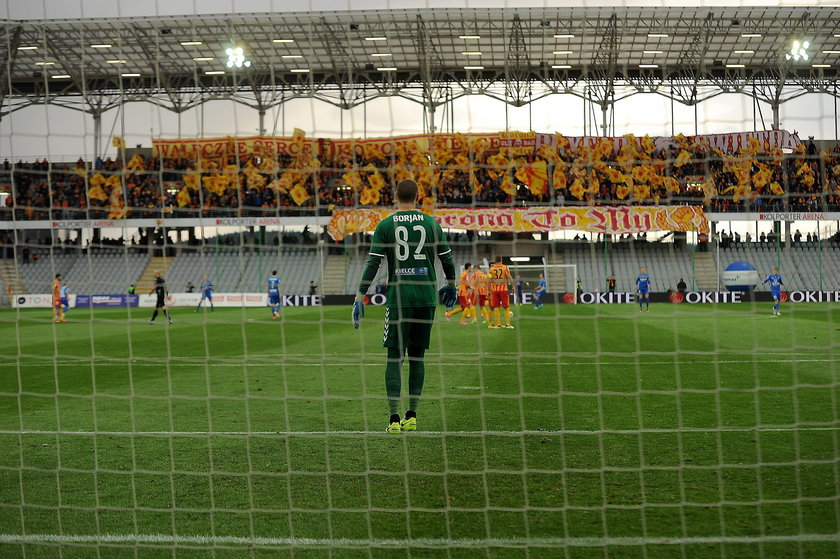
707, 427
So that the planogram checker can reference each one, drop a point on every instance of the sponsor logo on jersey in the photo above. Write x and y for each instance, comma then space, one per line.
422, 271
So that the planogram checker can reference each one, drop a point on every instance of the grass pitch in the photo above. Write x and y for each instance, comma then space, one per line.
691, 431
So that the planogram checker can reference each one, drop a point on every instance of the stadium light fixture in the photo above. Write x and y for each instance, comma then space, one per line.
798, 50
190, 43
282, 40
750, 35
820, 65
564, 36
471, 53
743, 51
387, 69
101, 46
653, 51
381, 54
648, 65
61, 77
376, 38
469, 37
473, 67
657, 35
214, 72
236, 58
291, 56
44, 63
831, 52
28, 47
561, 52
118, 61
299, 70
130, 75
735, 66
203, 58
560, 66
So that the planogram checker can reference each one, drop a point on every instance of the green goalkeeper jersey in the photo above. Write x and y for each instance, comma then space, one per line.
410, 241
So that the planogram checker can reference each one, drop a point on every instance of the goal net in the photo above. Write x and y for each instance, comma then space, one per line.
188, 204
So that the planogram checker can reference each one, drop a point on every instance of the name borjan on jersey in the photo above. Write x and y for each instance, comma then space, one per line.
410, 218
422, 271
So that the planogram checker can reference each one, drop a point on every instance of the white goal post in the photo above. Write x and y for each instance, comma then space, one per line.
560, 278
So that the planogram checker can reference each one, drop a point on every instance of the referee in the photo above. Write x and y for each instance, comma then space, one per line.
160, 290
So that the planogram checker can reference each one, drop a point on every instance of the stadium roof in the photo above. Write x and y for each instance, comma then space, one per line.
430, 56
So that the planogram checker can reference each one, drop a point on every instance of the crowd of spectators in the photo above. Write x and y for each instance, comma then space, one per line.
803, 180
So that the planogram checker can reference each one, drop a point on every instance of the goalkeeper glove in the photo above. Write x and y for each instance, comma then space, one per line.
448, 295
358, 310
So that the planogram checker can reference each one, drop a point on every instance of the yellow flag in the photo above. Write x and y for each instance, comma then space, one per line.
118, 142
576, 189
97, 179
535, 177
183, 197
683, 158
369, 197
96, 193
299, 194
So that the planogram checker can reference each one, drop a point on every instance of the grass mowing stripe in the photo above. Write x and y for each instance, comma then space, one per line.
133, 363
510, 432
163, 539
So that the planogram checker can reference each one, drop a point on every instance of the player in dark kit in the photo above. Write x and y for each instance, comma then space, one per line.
161, 292
410, 241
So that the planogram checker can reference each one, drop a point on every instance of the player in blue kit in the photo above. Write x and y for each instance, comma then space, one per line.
207, 289
274, 294
541, 290
65, 297
643, 289
776, 283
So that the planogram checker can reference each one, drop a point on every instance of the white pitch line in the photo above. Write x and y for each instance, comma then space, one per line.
234, 541
231, 363
422, 433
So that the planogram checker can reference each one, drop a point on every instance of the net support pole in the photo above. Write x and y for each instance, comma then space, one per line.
97, 134
820, 257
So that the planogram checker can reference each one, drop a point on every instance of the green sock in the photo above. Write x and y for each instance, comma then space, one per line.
416, 376
393, 382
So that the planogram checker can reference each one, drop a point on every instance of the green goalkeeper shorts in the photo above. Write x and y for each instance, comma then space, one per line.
408, 326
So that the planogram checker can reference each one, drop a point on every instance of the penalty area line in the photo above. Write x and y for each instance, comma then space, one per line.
236, 541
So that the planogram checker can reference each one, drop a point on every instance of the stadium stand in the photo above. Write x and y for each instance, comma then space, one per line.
101, 271
234, 271
750, 179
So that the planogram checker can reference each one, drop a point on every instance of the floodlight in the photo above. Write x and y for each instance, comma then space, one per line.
236, 58
798, 50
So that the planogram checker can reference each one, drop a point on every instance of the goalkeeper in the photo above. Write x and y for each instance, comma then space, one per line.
410, 241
